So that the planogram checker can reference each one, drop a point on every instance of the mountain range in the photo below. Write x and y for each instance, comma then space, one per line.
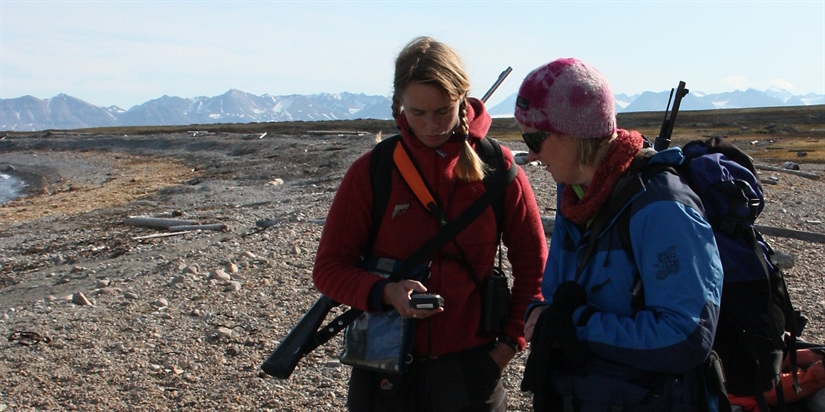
64, 112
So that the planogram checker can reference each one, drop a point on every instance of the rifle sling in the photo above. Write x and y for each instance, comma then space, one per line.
331, 329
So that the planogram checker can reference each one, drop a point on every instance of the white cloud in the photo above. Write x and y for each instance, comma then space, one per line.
781, 84
736, 82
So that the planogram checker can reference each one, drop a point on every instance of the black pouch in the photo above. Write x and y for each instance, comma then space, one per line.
495, 302
715, 374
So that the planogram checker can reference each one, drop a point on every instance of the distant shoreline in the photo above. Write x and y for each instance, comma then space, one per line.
11, 187
22, 180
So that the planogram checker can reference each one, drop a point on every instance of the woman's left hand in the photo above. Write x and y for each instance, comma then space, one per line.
502, 353
398, 294
530, 325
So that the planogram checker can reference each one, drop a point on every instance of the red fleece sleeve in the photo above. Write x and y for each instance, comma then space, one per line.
336, 272
523, 234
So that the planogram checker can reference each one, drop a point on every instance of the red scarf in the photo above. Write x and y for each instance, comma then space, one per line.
613, 165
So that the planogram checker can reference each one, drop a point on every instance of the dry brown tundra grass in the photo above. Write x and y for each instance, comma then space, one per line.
133, 177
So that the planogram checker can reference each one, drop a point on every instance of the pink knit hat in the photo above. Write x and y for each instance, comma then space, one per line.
569, 97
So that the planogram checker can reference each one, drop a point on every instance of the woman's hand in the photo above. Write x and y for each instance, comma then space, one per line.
398, 294
530, 325
502, 353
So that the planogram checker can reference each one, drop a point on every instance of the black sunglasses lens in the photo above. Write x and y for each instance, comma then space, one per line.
533, 140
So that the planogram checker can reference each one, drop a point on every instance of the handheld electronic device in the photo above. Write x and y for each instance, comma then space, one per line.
426, 301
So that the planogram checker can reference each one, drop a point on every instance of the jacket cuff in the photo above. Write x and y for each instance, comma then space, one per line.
531, 306
585, 315
375, 300
506, 339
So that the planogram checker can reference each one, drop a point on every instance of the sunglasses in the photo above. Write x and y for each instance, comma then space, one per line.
533, 140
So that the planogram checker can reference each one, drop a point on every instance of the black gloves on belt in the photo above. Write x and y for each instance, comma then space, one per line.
554, 345
569, 296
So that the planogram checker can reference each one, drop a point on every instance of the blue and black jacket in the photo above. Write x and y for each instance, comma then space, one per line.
673, 257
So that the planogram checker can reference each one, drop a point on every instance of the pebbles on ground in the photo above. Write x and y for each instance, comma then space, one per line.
185, 321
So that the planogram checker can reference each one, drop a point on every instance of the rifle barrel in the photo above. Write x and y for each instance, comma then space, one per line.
498, 82
663, 139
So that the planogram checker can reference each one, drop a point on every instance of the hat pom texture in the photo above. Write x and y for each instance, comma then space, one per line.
569, 97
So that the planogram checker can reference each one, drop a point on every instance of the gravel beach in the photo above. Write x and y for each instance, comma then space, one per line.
100, 315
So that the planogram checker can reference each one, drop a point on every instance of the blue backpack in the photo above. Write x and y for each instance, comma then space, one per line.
756, 310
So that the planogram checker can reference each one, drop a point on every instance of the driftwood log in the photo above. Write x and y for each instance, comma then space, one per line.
157, 222
211, 226
812, 176
549, 221
172, 225
791, 233
156, 235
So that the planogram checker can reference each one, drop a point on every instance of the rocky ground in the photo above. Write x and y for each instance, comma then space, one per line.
97, 314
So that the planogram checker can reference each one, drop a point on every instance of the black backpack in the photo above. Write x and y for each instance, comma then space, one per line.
756, 310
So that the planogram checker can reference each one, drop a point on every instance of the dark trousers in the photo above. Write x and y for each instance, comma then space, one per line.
465, 381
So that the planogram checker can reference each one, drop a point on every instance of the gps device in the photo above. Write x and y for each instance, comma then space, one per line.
426, 301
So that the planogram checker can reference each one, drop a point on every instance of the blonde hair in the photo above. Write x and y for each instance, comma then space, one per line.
588, 149
428, 61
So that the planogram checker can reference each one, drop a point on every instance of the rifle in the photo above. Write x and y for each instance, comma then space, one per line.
663, 139
498, 82
305, 336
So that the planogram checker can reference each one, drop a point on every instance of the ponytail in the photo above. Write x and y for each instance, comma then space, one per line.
470, 167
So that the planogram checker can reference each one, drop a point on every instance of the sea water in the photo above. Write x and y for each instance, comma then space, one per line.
10, 187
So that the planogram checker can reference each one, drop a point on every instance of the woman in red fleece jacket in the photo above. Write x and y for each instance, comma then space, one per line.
457, 366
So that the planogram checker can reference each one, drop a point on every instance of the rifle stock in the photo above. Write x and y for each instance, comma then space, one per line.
284, 359
663, 139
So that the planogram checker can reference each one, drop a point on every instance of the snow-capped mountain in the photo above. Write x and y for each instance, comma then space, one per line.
64, 112
28, 113
59, 112
655, 102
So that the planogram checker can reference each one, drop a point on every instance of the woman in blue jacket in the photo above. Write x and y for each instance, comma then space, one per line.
622, 326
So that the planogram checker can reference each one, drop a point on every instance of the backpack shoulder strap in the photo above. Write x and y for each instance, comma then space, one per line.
644, 172
452, 228
489, 150
626, 187
381, 180
381, 163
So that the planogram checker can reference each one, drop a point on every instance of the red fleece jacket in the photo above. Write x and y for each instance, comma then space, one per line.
336, 272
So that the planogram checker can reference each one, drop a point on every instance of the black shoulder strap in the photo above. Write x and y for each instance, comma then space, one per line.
381, 163
381, 180
489, 150
494, 193
645, 172
626, 187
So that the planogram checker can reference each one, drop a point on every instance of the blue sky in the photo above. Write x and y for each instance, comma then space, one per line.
127, 52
